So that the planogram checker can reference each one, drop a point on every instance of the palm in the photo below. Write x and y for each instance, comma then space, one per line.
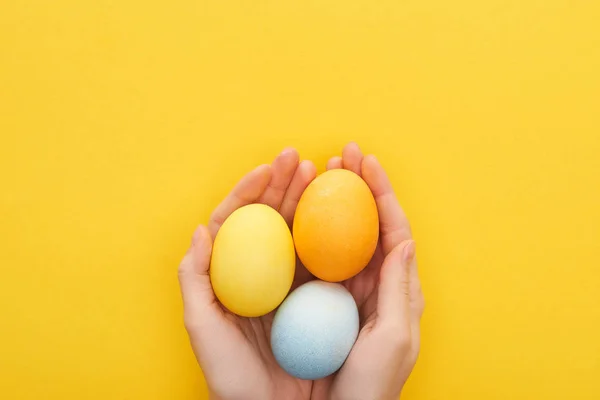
364, 287
255, 334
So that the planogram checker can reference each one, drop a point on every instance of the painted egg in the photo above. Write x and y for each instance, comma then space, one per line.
253, 261
314, 330
336, 225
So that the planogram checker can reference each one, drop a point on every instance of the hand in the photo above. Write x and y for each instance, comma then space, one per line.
388, 294
234, 352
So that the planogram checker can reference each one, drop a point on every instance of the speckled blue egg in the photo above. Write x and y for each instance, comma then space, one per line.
314, 330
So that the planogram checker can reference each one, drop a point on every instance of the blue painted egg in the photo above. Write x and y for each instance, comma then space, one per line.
314, 330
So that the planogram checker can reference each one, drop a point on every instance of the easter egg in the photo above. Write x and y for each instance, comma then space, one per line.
253, 261
336, 225
314, 330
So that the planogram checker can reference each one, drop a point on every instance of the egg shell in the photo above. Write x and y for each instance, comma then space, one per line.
336, 225
253, 261
314, 330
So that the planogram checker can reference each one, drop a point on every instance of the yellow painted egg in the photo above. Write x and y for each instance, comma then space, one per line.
336, 225
253, 261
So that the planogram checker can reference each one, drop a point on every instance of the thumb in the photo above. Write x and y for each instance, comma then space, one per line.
194, 281
393, 306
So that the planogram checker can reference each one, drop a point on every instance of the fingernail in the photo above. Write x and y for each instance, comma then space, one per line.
408, 254
287, 150
372, 158
353, 144
305, 165
262, 166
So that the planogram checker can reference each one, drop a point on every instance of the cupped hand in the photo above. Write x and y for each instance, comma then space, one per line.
388, 295
234, 352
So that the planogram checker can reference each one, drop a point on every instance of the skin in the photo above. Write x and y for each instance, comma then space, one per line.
234, 352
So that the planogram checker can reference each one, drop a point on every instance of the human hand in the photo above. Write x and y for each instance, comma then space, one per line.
389, 298
234, 352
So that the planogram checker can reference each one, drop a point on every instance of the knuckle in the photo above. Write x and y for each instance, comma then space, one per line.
403, 342
421, 300
398, 336
191, 324
216, 218
418, 302
184, 265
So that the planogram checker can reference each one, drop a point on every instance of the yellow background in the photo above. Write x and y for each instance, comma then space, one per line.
123, 123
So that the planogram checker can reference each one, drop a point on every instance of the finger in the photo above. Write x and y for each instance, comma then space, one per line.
417, 300
352, 158
283, 169
194, 281
417, 305
247, 191
367, 311
335, 163
393, 304
393, 223
304, 175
